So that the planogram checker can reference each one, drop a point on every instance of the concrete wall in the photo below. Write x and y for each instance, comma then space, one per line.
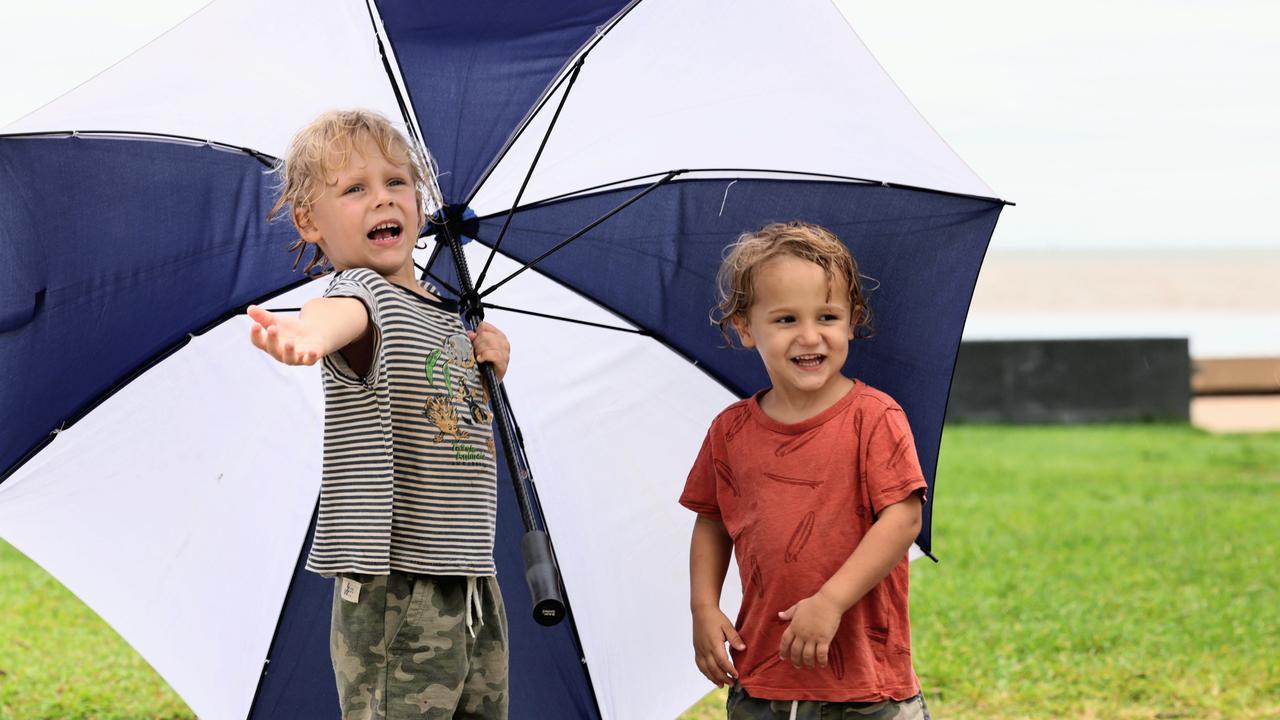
1071, 381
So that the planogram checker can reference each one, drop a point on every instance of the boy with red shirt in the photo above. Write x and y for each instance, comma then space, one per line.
815, 484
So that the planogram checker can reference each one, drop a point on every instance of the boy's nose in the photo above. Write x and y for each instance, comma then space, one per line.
809, 334
383, 196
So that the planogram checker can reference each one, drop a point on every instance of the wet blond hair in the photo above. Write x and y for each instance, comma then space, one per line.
324, 147
735, 282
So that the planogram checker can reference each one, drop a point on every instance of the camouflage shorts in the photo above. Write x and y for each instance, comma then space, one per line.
742, 706
401, 648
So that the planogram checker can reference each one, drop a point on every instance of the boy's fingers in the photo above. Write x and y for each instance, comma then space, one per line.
698, 661
788, 613
723, 663
261, 316
710, 671
823, 649
808, 654
265, 341
796, 654
734, 638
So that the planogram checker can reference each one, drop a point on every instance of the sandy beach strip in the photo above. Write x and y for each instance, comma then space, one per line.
1225, 301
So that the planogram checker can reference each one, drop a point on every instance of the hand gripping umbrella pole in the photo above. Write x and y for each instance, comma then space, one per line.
540, 570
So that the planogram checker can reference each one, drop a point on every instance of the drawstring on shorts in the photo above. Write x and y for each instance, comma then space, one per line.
795, 706
475, 605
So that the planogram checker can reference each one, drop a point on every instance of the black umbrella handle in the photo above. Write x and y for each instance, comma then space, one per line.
542, 577
540, 570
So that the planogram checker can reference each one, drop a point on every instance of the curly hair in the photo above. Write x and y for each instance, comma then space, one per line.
735, 282
324, 146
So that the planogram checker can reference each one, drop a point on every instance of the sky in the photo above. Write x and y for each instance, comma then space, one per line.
1129, 124
1109, 123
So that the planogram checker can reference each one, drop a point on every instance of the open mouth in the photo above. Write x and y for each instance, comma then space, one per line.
385, 232
808, 361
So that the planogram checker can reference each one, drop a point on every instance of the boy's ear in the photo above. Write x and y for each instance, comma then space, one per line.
854, 318
306, 225
859, 315
741, 327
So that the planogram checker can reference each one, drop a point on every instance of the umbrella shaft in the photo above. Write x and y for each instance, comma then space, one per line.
519, 474
473, 313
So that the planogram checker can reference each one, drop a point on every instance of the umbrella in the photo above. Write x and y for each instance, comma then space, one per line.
167, 472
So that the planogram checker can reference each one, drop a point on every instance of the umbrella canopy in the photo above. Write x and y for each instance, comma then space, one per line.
167, 472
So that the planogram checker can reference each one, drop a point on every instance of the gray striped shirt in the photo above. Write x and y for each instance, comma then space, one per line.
409, 477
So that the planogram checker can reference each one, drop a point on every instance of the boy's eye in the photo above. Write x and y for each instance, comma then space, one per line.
785, 319
353, 188
395, 182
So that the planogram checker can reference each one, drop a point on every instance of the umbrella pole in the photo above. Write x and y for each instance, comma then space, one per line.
540, 572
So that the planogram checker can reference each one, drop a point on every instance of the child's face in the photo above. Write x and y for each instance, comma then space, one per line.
366, 215
801, 324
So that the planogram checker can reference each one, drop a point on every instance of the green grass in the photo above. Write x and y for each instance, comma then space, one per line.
1087, 572
60, 660
1099, 572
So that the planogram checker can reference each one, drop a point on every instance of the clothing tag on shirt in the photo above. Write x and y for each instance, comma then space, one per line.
350, 590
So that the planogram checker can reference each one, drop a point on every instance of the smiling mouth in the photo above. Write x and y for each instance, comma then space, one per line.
808, 361
385, 232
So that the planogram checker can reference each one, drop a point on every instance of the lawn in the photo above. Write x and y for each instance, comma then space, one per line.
1091, 572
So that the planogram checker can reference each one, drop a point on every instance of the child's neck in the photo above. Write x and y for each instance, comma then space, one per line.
406, 280
792, 407
412, 285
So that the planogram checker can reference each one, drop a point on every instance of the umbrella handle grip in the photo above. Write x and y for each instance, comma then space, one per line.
542, 578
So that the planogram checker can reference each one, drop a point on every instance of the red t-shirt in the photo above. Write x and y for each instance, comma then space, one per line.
797, 499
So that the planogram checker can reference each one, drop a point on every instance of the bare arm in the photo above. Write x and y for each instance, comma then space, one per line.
815, 619
325, 325
709, 553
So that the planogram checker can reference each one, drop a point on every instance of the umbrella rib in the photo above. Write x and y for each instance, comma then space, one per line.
546, 96
409, 120
426, 270
268, 161
575, 321
662, 181
573, 78
797, 173
439, 281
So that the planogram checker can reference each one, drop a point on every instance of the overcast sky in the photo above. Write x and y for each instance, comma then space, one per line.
1128, 123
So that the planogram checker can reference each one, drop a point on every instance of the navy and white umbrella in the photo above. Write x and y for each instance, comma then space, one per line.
167, 472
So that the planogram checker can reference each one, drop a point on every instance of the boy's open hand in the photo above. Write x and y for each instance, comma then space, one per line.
283, 337
490, 345
814, 621
711, 630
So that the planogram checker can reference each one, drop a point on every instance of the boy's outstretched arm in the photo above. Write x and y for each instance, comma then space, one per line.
815, 619
325, 325
709, 553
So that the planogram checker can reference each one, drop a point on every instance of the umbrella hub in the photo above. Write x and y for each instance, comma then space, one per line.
454, 226
458, 222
